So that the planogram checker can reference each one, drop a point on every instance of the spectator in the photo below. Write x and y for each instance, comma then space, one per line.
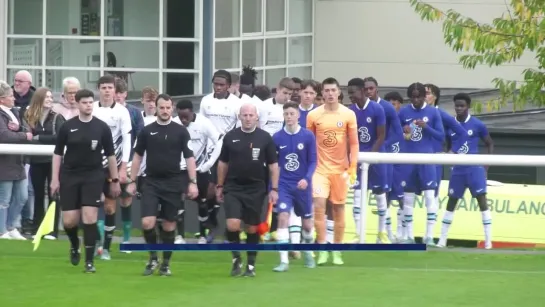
45, 125
13, 190
23, 89
68, 107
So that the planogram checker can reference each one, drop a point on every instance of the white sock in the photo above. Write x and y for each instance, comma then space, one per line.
382, 206
431, 206
388, 224
487, 223
408, 208
329, 230
295, 228
307, 237
400, 223
437, 202
445, 226
283, 237
356, 210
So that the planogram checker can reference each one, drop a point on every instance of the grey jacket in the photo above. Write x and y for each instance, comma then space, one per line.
11, 166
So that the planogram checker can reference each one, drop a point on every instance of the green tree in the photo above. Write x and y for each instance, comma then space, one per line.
520, 29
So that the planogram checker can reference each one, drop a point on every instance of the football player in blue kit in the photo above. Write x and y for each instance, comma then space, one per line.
297, 158
422, 127
472, 177
394, 134
371, 123
433, 94
396, 188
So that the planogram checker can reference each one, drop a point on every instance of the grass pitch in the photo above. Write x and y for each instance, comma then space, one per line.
399, 279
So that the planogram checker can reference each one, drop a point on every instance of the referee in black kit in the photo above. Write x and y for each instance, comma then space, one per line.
163, 142
81, 175
242, 182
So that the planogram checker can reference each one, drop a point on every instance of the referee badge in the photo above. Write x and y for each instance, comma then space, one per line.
94, 144
255, 153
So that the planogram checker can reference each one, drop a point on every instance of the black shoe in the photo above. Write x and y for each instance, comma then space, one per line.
151, 267
236, 270
250, 271
75, 256
90, 267
165, 270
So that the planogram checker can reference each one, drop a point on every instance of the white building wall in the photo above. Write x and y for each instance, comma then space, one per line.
386, 39
3, 33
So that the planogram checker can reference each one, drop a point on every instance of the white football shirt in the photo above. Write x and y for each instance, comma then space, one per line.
275, 116
223, 113
202, 133
117, 117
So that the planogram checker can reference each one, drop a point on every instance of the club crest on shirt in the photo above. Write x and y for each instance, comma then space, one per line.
369, 120
470, 132
425, 119
94, 144
339, 124
255, 154
300, 146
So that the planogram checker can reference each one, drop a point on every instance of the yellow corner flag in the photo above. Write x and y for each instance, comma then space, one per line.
47, 225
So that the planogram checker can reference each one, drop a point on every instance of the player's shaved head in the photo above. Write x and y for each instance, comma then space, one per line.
248, 107
248, 117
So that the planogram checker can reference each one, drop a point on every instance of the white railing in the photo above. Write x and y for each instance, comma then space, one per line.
26, 149
367, 158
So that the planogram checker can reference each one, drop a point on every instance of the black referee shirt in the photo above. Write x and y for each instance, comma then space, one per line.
163, 146
247, 154
84, 143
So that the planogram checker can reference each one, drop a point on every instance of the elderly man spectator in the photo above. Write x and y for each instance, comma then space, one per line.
23, 89
67, 106
13, 183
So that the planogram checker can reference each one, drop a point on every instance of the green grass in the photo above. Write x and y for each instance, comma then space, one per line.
399, 279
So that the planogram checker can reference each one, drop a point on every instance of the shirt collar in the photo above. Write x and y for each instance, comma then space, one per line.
303, 109
467, 119
364, 106
423, 106
296, 130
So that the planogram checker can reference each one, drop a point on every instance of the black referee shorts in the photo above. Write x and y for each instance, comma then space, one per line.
214, 173
80, 189
203, 181
245, 202
108, 193
163, 195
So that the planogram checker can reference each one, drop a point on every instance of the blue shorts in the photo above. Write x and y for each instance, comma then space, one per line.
419, 177
396, 191
439, 173
377, 179
289, 196
474, 179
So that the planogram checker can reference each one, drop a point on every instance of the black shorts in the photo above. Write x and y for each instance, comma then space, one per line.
245, 202
203, 181
214, 173
78, 190
161, 197
108, 193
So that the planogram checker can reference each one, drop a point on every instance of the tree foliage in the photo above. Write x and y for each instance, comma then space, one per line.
520, 29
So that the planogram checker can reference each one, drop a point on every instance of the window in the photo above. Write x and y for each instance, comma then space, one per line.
301, 12
143, 43
276, 15
251, 16
227, 21
273, 36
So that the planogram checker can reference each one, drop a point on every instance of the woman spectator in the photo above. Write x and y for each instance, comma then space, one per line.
44, 124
